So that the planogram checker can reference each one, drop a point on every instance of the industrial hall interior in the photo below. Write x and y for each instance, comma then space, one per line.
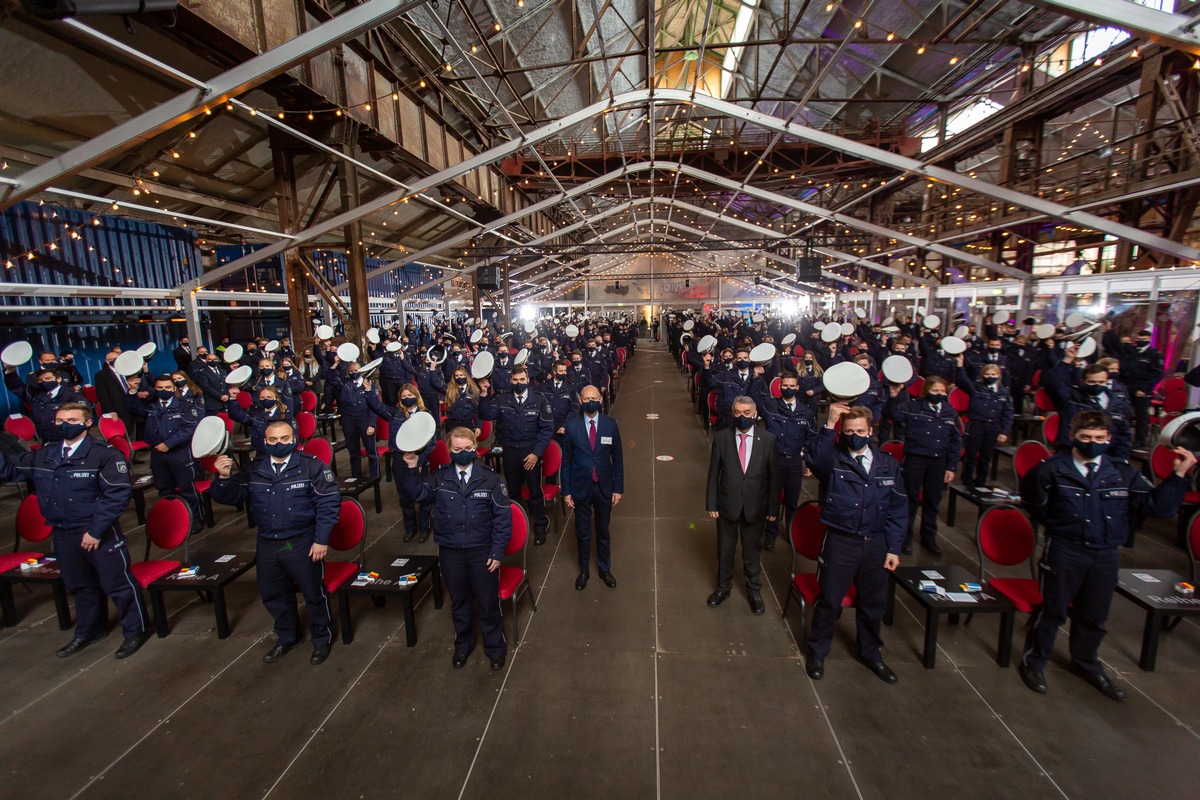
661, 399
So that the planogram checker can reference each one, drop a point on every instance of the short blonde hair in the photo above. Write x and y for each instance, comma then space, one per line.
462, 433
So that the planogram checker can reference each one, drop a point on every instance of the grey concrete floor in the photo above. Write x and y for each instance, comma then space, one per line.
636, 692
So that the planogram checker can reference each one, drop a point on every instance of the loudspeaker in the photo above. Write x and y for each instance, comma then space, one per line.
488, 277
808, 268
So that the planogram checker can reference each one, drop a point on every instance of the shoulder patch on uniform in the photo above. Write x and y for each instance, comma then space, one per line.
329, 475
503, 489
122, 466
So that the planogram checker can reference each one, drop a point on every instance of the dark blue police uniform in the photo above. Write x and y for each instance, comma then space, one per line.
523, 427
864, 515
86, 493
43, 405
794, 427
932, 447
356, 417
416, 517
1111, 403
295, 507
257, 419
563, 397
472, 524
171, 423
991, 415
394, 372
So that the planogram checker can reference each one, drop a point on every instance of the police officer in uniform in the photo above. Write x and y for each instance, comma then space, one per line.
563, 397
523, 428
82, 487
170, 423
1142, 368
991, 416
296, 504
864, 509
472, 523
46, 396
793, 424
1089, 505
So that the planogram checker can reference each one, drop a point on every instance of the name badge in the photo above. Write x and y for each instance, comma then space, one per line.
887, 481
1117, 493
81, 474
294, 486
605, 440
480, 495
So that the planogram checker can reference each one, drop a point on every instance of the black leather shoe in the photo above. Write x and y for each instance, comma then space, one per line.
608, 579
1102, 683
581, 581
881, 670
768, 545
906, 548
277, 652
815, 667
132, 644
539, 539
716, 598
424, 537
932, 548
75, 645
757, 605
410, 535
460, 660
497, 664
320, 654
1034, 680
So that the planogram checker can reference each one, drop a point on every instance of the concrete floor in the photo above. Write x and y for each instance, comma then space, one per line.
638, 692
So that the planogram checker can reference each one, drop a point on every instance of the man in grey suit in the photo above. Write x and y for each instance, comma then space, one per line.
743, 493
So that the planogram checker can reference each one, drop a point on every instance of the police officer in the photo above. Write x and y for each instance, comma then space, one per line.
794, 426
472, 524
45, 398
932, 448
431, 383
563, 397
1094, 394
863, 509
170, 423
210, 377
82, 487
524, 429
729, 384
358, 422
502, 371
295, 501
416, 518
991, 415
394, 372
1142, 368
1088, 505
267, 409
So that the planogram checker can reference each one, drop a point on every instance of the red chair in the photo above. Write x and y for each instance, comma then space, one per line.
806, 536
1162, 464
209, 465
1037, 379
306, 426
440, 456
917, 387
245, 400
349, 533
113, 426
894, 448
89, 393
228, 420
167, 527
712, 410
1175, 400
1028, 455
308, 401
139, 481
551, 464
514, 581
1041, 399
22, 427
1005, 536
485, 433
31, 527
1173, 383
960, 401
1050, 428
383, 445
775, 387
320, 449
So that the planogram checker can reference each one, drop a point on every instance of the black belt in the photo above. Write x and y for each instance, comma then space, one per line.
850, 535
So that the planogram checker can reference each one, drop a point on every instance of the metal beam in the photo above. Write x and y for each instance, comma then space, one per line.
1163, 27
192, 103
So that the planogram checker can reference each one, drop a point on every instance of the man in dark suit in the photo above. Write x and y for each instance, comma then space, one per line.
183, 354
111, 389
593, 480
743, 493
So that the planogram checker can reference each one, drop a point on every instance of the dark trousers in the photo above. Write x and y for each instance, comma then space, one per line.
923, 478
728, 533
473, 590
357, 440
174, 473
1083, 578
90, 575
516, 476
588, 503
847, 561
283, 565
1141, 417
981, 449
791, 473
390, 389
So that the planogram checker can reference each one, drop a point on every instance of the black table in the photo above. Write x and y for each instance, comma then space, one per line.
1153, 591
387, 584
1022, 423
980, 499
354, 487
987, 601
1007, 451
46, 572
140, 484
217, 570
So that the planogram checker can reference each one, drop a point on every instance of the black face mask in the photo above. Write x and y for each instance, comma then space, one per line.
461, 381
265, 371
1095, 389
408, 402
520, 388
744, 423
995, 351
560, 376
1143, 342
741, 363
789, 392
180, 384
937, 399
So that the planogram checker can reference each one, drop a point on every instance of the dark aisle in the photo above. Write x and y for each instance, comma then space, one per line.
636, 692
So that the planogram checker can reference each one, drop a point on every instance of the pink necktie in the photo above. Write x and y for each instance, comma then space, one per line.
592, 440
742, 449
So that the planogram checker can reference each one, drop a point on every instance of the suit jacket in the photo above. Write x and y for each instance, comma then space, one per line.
579, 460
111, 396
183, 358
754, 494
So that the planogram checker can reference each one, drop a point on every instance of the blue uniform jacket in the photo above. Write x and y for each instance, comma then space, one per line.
793, 430
303, 499
928, 434
463, 412
43, 407
1119, 411
396, 417
396, 368
172, 426
84, 494
257, 418
1106, 512
993, 406
854, 502
563, 401
579, 460
520, 425
480, 516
